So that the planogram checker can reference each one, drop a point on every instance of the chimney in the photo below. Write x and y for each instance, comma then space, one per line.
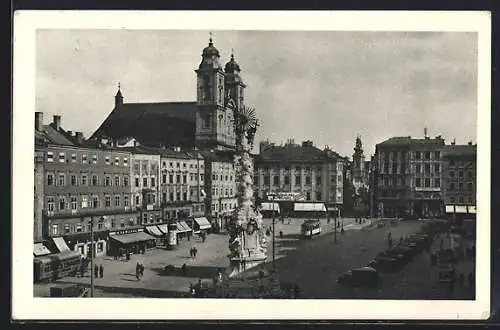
470, 143
38, 121
70, 133
57, 122
79, 137
453, 142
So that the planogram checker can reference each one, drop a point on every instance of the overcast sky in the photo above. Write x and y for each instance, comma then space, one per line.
324, 86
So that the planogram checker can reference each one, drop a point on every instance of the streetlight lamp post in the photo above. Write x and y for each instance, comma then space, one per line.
91, 256
274, 239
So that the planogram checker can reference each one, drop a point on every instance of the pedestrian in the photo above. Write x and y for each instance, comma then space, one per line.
138, 271
389, 241
203, 238
191, 252
195, 251
281, 234
96, 271
101, 271
184, 269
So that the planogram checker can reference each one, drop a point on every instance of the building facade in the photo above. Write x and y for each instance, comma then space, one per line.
38, 195
316, 174
408, 177
459, 178
182, 184
83, 185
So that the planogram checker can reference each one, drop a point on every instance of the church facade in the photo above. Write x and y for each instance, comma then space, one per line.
205, 126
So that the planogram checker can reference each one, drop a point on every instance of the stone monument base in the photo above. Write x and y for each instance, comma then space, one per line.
240, 264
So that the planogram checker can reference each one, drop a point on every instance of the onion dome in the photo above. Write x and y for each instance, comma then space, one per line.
210, 50
232, 66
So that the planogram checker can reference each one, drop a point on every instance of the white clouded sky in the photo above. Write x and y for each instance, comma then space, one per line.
323, 86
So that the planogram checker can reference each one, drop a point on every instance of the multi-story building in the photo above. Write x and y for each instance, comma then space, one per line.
82, 184
408, 177
220, 182
459, 178
315, 173
182, 184
38, 195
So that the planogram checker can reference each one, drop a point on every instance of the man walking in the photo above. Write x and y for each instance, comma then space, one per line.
96, 271
101, 271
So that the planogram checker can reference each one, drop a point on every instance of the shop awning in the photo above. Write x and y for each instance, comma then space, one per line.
450, 208
40, 250
318, 207
471, 209
61, 244
163, 228
133, 237
203, 223
182, 227
270, 207
460, 209
153, 230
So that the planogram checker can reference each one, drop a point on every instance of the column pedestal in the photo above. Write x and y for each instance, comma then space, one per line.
241, 264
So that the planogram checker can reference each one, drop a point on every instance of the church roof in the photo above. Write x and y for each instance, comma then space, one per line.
166, 123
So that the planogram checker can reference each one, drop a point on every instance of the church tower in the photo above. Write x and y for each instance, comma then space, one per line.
358, 165
214, 125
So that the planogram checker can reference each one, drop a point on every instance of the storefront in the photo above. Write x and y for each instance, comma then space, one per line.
156, 232
130, 241
183, 231
201, 224
40, 250
80, 242
268, 210
310, 210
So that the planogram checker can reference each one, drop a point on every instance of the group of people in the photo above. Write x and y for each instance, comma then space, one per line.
193, 252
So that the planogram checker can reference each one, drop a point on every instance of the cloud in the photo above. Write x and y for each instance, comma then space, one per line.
323, 86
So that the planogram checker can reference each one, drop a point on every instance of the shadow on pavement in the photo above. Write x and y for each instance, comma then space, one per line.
191, 271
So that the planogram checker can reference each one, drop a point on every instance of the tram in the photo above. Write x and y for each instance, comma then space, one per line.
56, 266
310, 228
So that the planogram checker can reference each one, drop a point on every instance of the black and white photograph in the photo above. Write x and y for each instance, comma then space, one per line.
252, 165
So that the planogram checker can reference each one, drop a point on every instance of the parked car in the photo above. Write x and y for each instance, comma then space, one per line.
386, 264
362, 277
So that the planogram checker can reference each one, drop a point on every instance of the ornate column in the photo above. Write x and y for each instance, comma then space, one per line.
247, 242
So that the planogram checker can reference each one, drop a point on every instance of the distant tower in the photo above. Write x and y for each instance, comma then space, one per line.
233, 82
358, 165
213, 123
118, 97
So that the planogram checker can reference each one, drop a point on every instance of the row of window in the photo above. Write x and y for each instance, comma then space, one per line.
418, 155
61, 158
228, 192
178, 177
298, 179
427, 183
461, 174
178, 165
179, 196
221, 177
460, 186
62, 203
81, 227
297, 168
145, 181
83, 180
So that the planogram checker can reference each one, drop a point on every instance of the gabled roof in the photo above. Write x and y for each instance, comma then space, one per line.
168, 123
53, 136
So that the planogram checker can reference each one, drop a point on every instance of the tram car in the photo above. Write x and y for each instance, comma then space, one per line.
310, 228
56, 266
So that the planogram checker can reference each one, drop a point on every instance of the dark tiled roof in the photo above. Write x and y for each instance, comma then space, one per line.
218, 155
459, 150
163, 152
294, 152
59, 137
171, 123
408, 141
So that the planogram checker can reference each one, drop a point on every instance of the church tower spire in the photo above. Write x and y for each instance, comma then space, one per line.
118, 97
